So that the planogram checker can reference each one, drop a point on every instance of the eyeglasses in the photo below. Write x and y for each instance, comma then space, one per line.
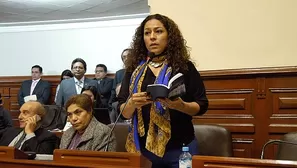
99, 71
78, 67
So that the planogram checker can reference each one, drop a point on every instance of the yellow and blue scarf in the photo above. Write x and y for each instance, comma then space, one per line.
159, 131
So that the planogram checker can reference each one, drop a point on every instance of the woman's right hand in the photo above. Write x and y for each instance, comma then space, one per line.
139, 99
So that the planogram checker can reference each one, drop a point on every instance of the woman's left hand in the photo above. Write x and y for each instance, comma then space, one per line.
176, 104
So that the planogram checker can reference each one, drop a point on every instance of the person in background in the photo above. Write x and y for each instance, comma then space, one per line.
30, 136
160, 128
5, 118
35, 86
86, 132
73, 86
92, 92
104, 84
119, 75
66, 74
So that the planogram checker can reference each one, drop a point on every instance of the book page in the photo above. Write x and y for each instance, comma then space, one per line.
174, 78
157, 84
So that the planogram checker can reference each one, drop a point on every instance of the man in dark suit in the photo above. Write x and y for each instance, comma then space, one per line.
5, 118
119, 75
73, 86
30, 136
104, 84
36, 86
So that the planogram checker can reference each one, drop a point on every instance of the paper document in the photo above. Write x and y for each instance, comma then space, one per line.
67, 126
30, 98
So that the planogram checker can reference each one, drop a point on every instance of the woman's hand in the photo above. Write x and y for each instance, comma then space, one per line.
176, 104
139, 99
190, 108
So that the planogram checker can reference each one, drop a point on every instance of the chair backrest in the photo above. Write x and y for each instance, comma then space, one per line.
102, 115
288, 151
121, 133
213, 140
55, 117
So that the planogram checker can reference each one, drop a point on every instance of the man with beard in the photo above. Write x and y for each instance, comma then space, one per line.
73, 86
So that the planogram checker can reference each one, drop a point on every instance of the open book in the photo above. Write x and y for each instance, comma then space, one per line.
175, 88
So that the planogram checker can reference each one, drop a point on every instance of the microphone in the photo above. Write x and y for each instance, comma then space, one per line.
150, 57
275, 141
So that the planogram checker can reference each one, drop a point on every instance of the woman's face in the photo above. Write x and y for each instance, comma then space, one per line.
155, 36
89, 93
78, 117
66, 77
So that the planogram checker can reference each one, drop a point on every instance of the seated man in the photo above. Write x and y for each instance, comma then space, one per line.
30, 137
86, 132
5, 118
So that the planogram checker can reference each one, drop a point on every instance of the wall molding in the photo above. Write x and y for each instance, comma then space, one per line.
213, 74
286, 70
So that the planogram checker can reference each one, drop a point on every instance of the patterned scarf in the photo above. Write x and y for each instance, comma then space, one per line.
159, 131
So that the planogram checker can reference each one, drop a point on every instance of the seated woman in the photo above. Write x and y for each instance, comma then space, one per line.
86, 132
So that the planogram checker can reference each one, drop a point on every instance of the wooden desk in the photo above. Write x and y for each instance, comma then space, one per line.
19, 163
58, 133
14, 158
107, 158
11, 153
232, 162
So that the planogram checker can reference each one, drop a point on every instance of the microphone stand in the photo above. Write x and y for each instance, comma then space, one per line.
151, 56
274, 141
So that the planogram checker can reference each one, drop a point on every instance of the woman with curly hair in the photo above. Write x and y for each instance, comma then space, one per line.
161, 127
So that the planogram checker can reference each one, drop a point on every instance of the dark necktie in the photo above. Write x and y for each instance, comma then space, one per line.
18, 144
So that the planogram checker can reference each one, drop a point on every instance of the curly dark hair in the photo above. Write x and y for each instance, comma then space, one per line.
177, 53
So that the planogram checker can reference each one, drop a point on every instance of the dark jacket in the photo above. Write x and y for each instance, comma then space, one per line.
42, 90
118, 78
104, 88
5, 118
44, 141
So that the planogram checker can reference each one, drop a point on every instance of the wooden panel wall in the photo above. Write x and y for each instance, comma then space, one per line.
254, 104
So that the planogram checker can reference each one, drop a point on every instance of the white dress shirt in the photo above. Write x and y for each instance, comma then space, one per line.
33, 85
79, 84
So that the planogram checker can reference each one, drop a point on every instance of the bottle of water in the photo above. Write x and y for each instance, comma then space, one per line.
185, 159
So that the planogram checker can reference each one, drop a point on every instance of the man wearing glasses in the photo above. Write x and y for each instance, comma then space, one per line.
104, 84
73, 86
